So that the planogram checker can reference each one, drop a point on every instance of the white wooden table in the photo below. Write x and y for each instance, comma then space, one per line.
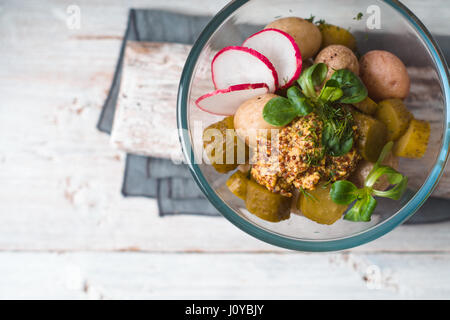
65, 229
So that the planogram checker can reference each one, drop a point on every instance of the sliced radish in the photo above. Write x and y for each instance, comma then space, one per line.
225, 102
280, 48
237, 65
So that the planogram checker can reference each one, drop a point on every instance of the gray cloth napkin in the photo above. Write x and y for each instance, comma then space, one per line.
172, 185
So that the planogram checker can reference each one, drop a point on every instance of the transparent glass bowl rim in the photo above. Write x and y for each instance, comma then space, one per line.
302, 244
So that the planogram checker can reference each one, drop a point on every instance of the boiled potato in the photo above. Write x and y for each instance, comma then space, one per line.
364, 168
393, 113
414, 142
237, 184
265, 204
248, 119
305, 34
367, 106
318, 206
384, 75
338, 57
222, 149
336, 35
372, 136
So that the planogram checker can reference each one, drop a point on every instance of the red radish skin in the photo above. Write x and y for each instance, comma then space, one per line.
230, 103
259, 42
249, 76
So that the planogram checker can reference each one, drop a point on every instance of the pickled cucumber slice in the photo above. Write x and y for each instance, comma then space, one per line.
372, 136
414, 142
367, 106
318, 206
237, 184
336, 35
223, 148
265, 204
394, 114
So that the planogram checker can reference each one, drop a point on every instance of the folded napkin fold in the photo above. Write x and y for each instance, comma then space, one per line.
171, 184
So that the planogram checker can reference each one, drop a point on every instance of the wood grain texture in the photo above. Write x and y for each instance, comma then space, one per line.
65, 230
224, 276
145, 118
145, 121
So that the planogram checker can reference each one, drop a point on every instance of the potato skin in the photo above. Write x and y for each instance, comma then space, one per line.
384, 75
306, 34
338, 57
364, 168
248, 118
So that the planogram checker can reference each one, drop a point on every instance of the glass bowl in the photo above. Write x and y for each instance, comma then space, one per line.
385, 25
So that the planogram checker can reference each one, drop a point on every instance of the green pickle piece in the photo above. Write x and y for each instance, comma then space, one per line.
367, 106
222, 145
332, 34
372, 136
265, 204
317, 205
237, 184
394, 114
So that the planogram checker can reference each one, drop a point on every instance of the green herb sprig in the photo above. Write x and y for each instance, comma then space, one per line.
280, 111
313, 76
337, 133
308, 195
358, 16
353, 89
345, 192
343, 87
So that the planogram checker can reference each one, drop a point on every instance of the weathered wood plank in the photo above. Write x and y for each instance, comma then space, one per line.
60, 178
223, 276
145, 118
85, 221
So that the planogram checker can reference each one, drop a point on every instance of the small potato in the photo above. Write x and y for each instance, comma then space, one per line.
336, 35
248, 119
384, 75
364, 168
338, 57
306, 34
